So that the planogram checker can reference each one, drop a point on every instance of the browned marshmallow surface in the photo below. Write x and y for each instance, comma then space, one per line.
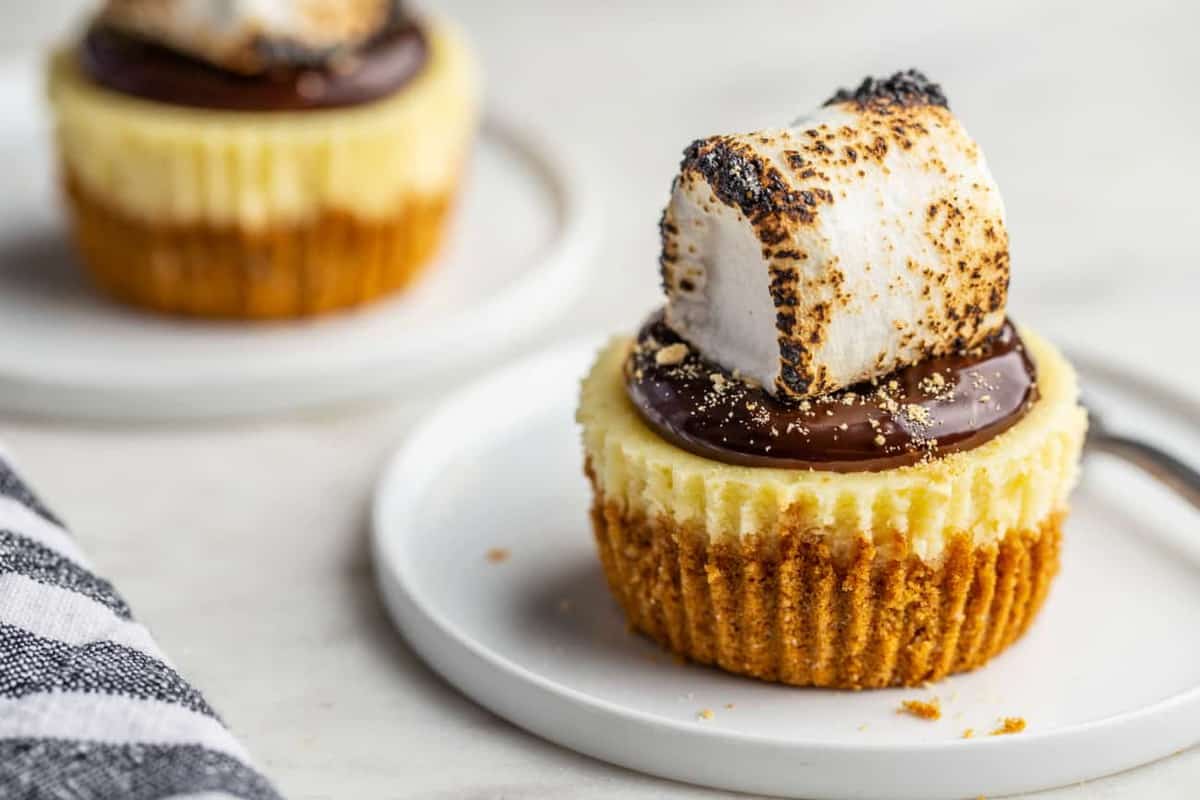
867, 236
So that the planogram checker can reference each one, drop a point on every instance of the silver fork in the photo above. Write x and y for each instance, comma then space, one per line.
1168, 469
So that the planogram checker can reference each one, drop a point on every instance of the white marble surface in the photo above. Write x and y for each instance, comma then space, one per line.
243, 546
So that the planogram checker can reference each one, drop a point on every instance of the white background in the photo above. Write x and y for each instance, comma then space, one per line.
244, 545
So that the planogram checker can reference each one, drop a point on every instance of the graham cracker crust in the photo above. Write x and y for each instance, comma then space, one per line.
333, 262
785, 609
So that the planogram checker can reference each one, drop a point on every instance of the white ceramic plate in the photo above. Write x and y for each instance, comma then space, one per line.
516, 258
1107, 678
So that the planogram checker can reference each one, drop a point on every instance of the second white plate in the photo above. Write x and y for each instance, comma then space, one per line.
515, 258
1107, 678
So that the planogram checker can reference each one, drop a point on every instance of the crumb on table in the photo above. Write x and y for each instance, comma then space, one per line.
498, 555
968, 733
1010, 725
923, 709
706, 713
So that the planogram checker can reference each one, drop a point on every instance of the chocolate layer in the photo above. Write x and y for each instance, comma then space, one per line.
141, 68
942, 405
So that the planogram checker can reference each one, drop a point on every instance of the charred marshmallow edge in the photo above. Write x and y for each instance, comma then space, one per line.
868, 236
252, 36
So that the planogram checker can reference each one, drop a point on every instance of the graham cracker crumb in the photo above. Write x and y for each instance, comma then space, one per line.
671, 354
918, 414
968, 733
498, 555
706, 713
936, 380
729, 706
922, 709
1010, 725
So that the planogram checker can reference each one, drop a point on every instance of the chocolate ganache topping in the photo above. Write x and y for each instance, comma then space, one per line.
137, 66
938, 406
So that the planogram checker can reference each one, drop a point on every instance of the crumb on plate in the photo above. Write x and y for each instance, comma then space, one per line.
923, 709
1010, 725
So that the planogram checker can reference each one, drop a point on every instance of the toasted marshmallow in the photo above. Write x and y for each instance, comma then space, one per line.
868, 236
252, 36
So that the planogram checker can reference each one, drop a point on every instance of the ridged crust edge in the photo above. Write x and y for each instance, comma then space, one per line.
787, 609
335, 261
175, 164
1013, 482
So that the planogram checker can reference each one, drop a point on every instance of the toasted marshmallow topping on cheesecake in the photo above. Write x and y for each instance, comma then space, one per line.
251, 36
867, 236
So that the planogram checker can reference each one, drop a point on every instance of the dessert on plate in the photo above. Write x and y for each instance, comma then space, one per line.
265, 158
831, 459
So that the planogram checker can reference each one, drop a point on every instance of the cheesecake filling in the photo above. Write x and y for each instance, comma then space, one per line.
134, 65
917, 413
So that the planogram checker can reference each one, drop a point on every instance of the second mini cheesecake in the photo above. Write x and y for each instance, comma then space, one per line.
261, 160
830, 460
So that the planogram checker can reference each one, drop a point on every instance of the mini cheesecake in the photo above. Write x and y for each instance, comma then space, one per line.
260, 159
831, 459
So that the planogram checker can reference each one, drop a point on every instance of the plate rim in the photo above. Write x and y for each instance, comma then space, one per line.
408, 472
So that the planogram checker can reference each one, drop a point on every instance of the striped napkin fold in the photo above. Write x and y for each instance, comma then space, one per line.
90, 707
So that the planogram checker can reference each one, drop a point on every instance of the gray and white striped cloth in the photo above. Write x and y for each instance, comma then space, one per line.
90, 707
